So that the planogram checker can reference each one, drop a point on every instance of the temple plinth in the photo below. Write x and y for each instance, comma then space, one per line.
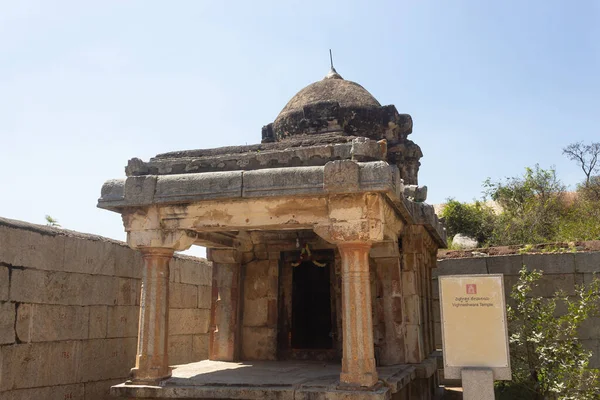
322, 248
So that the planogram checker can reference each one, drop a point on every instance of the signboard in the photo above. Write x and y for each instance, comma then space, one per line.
474, 331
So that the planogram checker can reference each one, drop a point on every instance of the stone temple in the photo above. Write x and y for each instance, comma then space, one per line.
322, 249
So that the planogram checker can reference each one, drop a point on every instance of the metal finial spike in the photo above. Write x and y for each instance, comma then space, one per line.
332, 72
331, 59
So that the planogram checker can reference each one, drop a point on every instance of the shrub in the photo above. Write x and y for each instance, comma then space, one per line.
547, 359
475, 220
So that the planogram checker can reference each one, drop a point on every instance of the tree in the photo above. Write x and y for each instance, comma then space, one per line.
547, 359
475, 220
51, 221
586, 156
532, 206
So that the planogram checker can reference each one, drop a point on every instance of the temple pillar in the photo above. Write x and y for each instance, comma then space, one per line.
157, 245
389, 309
225, 305
412, 270
152, 359
358, 361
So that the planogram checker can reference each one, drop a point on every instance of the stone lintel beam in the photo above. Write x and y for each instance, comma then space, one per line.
224, 341
217, 240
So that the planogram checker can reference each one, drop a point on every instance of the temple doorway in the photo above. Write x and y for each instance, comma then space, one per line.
311, 307
307, 314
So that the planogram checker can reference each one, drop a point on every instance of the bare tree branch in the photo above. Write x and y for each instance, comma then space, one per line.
586, 156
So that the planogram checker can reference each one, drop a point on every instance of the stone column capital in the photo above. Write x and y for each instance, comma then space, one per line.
346, 232
145, 229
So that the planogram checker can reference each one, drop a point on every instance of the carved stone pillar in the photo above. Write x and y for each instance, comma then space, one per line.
152, 360
145, 233
358, 361
225, 305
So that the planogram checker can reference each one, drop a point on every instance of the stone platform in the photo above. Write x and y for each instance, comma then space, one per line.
265, 380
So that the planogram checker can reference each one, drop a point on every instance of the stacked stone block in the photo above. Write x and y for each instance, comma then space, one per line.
69, 309
560, 272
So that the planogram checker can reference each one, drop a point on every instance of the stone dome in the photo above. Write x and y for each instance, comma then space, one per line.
333, 88
335, 106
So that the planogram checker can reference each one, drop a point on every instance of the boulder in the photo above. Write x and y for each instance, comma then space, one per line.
464, 242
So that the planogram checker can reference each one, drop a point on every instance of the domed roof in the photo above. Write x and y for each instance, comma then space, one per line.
332, 88
335, 106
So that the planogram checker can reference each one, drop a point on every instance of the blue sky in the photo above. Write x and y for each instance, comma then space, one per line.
492, 87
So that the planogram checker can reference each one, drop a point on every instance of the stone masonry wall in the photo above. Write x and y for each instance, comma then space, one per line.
560, 271
69, 309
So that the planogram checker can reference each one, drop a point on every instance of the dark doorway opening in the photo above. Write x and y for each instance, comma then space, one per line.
311, 307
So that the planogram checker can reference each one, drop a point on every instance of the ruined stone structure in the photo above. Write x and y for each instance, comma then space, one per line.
322, 250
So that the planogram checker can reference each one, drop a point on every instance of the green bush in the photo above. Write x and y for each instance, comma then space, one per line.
475, 220
547, 359
532, 207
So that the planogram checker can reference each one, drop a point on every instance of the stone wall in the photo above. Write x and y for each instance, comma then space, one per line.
560, 271
69, 308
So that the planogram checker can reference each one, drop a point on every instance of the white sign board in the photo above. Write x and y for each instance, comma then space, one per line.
474, 329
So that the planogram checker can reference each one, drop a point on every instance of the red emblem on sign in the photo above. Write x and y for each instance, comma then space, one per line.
471, 288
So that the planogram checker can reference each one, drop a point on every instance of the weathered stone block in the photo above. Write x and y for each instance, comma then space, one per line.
341, 176
460, 266
139, 190
4, 283
106, 359
409, 283
259, 343
49, 287
200, 347
7, 323
551, 283
185, 321
258, 283
192, 272
100, 390
182, 295
128, 262
128, 291
594, 347
98, 322
590, 329
42, 323
588, 262
71, 392
283, 181
40, 364
589, 277
89, 256
507, 265
203, 186
551, 263
412, 309
123, 321
256, 312
204, 296
224, 256
415, 352
180, 349
24, 248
